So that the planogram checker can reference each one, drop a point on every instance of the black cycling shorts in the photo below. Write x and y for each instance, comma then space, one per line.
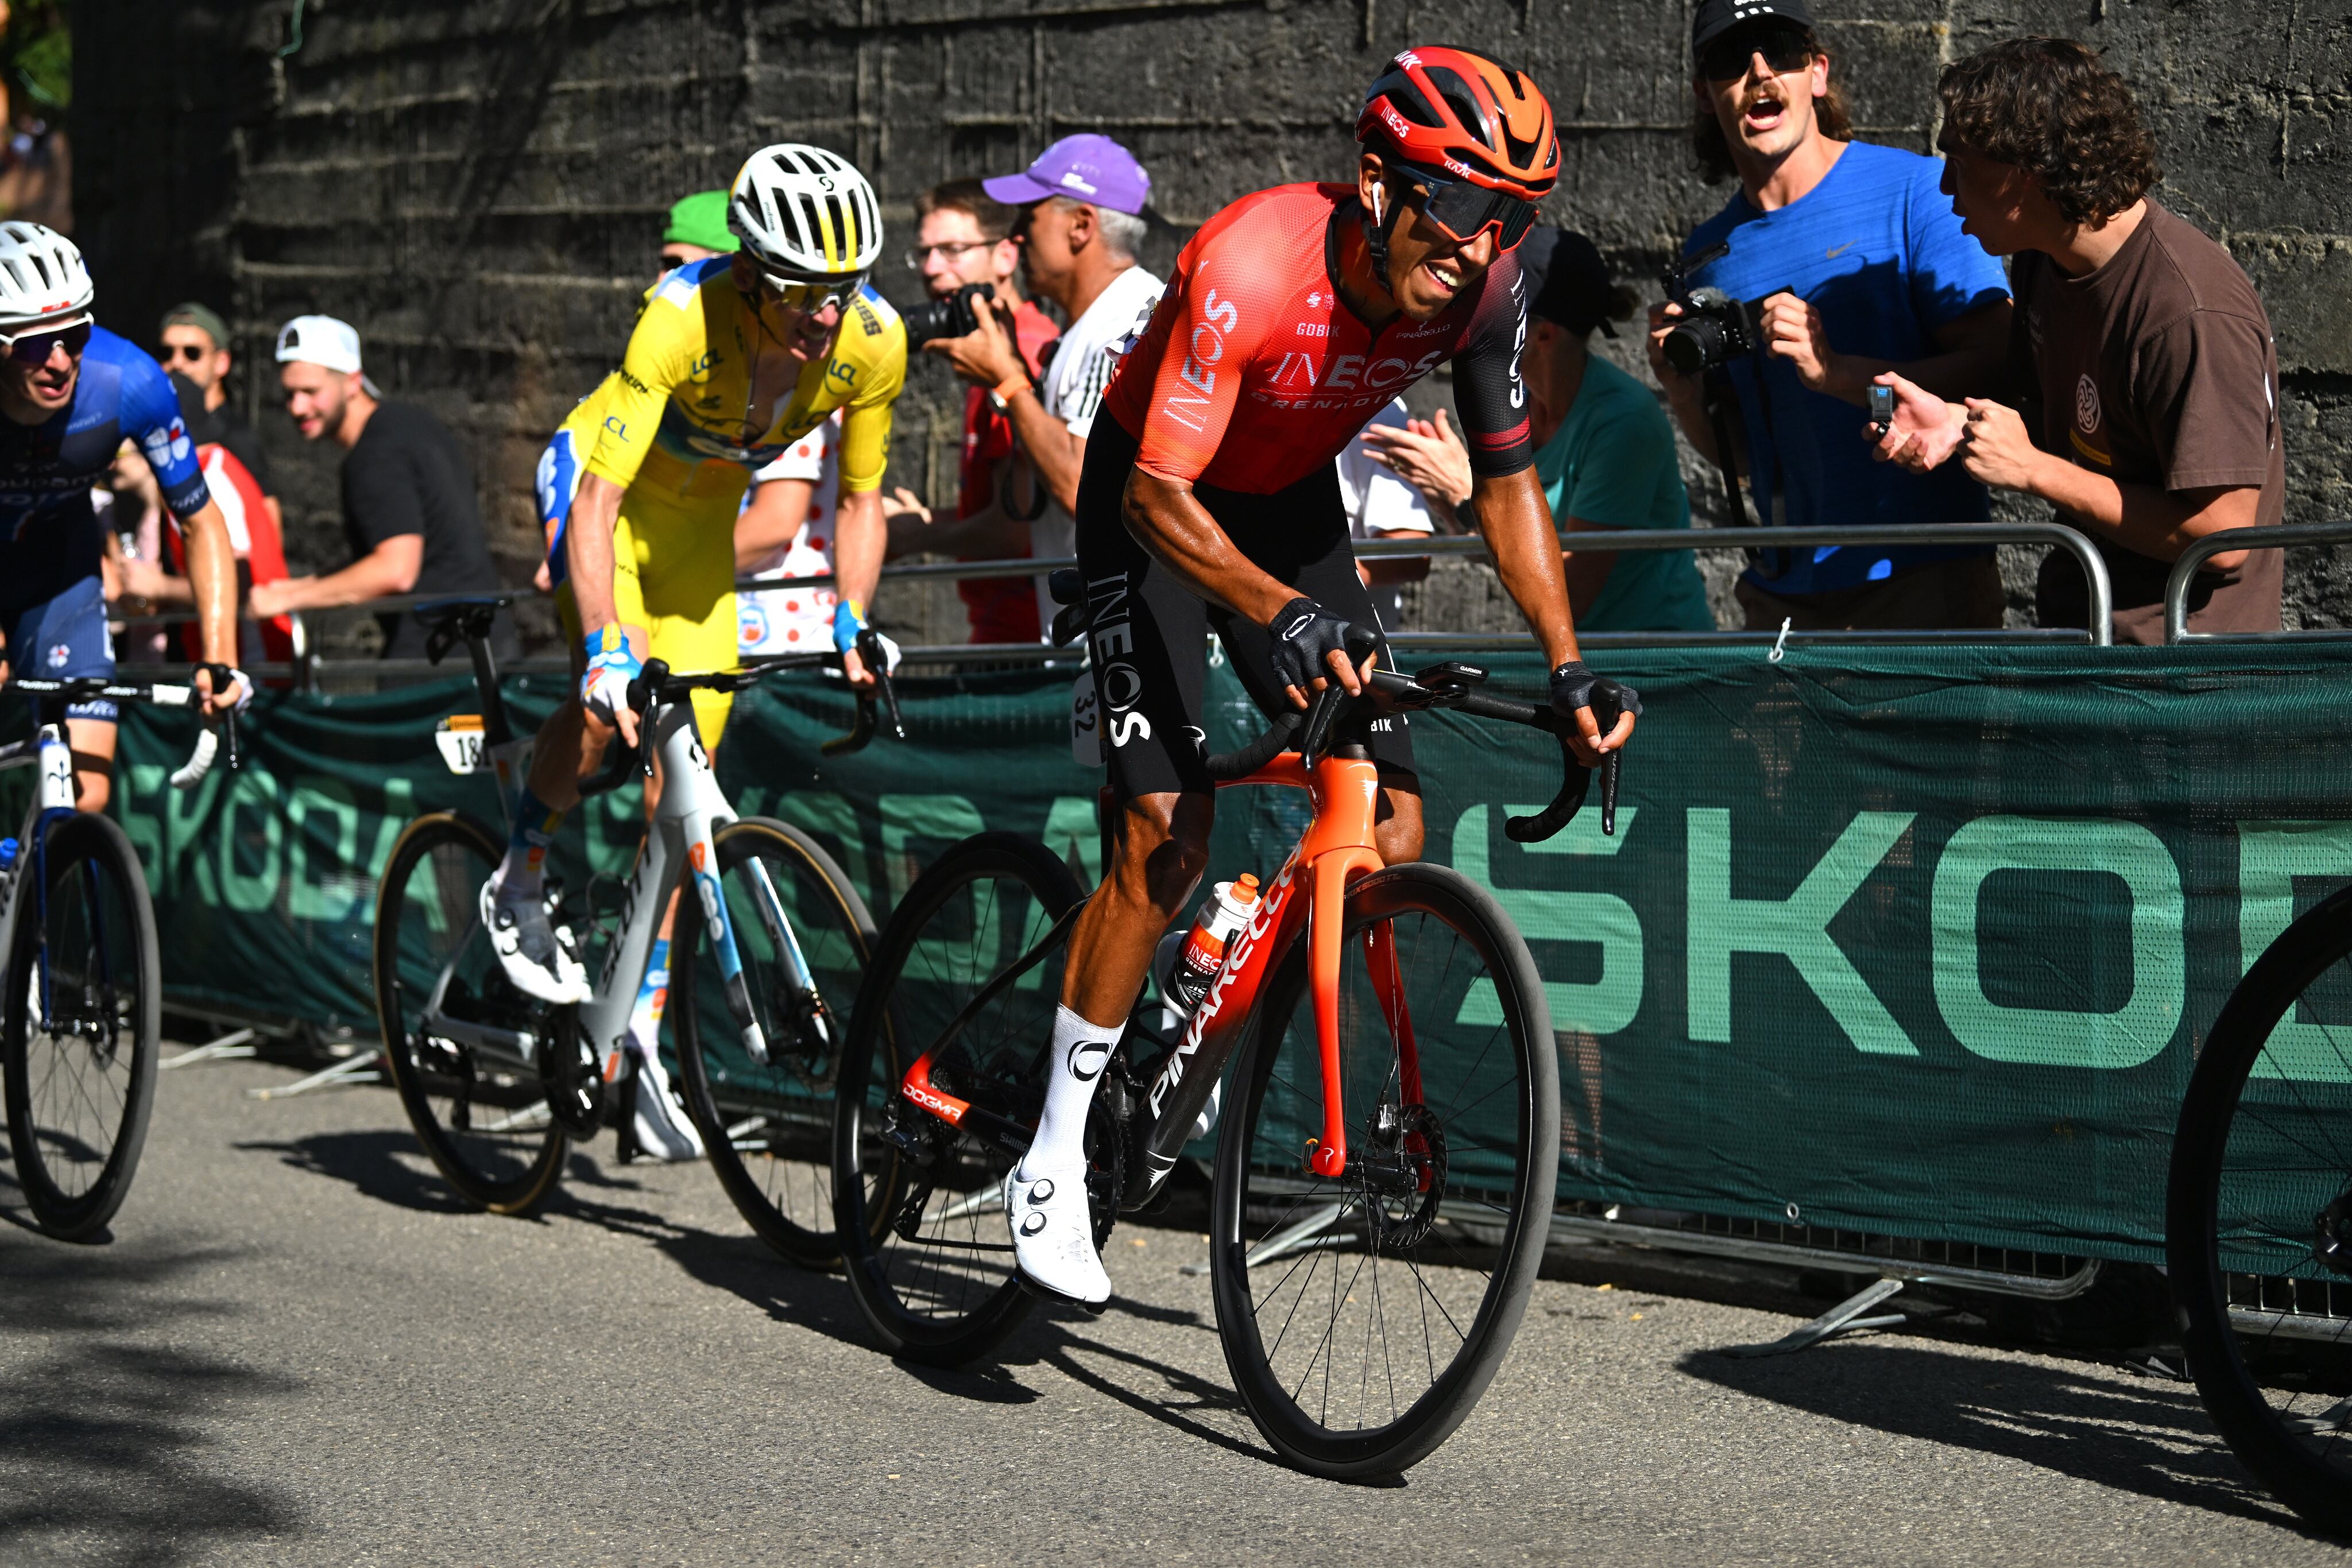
1150, 653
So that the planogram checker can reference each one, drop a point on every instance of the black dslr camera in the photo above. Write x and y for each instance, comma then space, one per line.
1715, 328
950, 317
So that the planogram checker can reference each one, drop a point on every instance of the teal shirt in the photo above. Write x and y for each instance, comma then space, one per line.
1611, 462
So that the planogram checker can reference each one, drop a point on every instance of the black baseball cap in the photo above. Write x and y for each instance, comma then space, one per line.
1568, 283
1716, 17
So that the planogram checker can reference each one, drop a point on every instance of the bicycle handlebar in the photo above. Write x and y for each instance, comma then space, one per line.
210, 741
659, 683
1447, 685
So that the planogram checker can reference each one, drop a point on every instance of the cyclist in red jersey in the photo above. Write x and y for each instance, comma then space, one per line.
1209, 499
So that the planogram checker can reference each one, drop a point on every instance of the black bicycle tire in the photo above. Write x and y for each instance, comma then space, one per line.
526, 1192
1433, 1417
902, 1334
72, 841
2307, 949
793, 1242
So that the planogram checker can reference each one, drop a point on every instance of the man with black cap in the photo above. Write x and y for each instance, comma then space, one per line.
1604, 451
1861, 268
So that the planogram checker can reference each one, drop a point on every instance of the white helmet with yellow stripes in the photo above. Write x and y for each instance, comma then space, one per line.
805, 212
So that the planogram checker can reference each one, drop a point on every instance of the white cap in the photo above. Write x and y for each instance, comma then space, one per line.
319, 340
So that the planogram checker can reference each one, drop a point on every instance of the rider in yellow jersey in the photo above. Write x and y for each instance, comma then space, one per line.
731, 361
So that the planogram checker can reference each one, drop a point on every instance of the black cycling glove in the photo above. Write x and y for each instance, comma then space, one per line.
1304, 634
1574, 686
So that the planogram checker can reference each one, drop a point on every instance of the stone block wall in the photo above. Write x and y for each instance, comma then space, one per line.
479, 184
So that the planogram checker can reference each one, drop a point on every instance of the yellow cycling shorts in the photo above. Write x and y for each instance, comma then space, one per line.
673, 580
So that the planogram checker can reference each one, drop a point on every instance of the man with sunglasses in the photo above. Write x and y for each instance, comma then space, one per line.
1862, 269
733, 360
1209, 498
71, 394
194, 342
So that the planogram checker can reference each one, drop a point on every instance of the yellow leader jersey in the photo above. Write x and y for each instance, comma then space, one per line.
670, 425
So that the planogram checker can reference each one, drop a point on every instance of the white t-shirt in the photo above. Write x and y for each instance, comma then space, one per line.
1083, 359
1378, 503
797, 620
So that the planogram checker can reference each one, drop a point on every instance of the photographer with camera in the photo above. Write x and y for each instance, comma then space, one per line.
965, 252
2141, 399
1837, 260
1081, 221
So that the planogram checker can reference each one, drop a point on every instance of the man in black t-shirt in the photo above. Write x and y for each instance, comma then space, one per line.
409, 510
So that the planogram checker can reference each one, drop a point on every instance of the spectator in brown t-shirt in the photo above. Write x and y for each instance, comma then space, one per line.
2140, 355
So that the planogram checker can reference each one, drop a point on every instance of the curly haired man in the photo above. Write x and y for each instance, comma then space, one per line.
2142, 395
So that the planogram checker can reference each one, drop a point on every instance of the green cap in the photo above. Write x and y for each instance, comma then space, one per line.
203, 318
701, 219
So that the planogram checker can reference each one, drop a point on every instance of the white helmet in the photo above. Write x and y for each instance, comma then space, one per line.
43, 278
805, 212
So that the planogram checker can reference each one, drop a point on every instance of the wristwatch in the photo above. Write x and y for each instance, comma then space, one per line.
1001, 396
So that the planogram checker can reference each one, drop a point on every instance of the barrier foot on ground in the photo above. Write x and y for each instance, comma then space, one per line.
1840, 1319
365, 1068
236, 1043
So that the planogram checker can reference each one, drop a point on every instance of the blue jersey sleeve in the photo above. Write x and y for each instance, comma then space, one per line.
149, 414
1951, 274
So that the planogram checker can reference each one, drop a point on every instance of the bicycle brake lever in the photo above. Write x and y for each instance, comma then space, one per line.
221, 674
1322, 717
877, 663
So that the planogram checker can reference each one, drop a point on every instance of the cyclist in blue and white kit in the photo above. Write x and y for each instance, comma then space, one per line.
70, 393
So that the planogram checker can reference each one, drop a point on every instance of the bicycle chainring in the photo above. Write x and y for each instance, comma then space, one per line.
1106, 1167
1402, 1169
2333, 1245
571, 1076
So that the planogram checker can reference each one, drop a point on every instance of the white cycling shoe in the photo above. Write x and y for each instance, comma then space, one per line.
663, 1130
1053, 1235
538, 963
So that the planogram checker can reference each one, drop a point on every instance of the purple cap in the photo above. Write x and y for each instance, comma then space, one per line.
1085, 168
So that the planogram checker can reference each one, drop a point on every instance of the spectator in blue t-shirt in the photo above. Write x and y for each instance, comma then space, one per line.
1604, 451
1867, 270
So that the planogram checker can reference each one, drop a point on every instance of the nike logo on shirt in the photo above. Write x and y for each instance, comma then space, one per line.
1841, 250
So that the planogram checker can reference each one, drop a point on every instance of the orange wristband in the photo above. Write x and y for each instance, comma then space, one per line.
1010, 388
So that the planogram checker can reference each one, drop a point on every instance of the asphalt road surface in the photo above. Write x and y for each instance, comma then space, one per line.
296, 1347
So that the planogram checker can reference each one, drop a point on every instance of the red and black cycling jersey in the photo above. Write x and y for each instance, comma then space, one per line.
1254, 372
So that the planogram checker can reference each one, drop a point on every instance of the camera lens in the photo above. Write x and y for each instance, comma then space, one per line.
1695, 344
950, 317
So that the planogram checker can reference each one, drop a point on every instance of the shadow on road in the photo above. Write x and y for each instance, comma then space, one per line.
101, 1456
2078, 1419
381, 1164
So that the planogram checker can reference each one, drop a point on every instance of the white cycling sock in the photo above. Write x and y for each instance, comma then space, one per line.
1081, 1051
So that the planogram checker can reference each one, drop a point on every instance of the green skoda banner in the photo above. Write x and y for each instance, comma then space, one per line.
1913, 941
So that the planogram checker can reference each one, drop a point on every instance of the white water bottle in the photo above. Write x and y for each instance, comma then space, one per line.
1229, 907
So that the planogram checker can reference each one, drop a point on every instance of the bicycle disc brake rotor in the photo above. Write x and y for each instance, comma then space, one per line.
2332, 1247
568, 1073
1402, 1167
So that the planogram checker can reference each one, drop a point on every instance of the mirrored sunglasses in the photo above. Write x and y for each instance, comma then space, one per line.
35, 348
813, 294
1464, 211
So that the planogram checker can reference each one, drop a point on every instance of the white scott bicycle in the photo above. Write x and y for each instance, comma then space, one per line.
764, 968
85, 984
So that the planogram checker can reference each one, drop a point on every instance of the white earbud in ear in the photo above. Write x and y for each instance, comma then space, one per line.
1379, 204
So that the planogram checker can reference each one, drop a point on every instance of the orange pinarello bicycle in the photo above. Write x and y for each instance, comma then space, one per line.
1388, 1145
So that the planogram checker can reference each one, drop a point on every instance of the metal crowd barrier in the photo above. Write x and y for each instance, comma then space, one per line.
1892, 1263
2184, 573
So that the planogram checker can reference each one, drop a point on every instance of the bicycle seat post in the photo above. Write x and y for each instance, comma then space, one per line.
496, 731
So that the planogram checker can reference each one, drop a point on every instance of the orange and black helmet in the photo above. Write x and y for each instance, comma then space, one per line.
1459, 114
